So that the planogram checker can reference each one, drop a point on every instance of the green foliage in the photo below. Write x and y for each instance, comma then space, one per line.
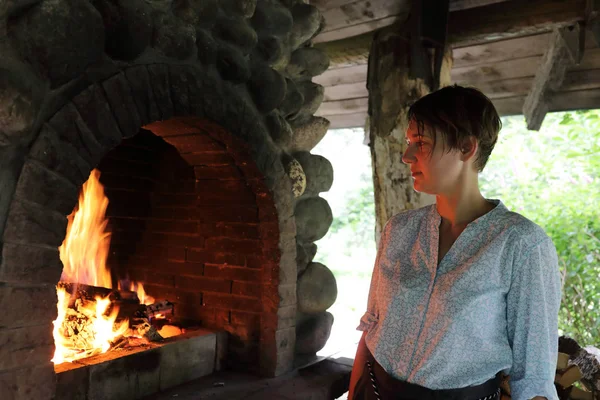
552, 177
357, 217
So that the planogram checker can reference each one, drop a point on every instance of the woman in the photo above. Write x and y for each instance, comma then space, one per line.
464, 289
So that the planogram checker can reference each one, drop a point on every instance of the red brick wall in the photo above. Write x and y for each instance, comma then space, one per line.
190, 231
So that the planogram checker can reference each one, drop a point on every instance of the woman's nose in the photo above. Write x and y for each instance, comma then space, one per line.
408, 156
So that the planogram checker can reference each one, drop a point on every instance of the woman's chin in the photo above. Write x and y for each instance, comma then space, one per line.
419, 188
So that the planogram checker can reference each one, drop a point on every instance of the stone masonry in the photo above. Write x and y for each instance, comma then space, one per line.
77, 77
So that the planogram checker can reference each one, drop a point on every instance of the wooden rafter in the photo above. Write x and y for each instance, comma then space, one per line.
564, 51
475, 25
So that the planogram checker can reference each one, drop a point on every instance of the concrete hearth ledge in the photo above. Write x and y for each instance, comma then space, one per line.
325, 380
135, 373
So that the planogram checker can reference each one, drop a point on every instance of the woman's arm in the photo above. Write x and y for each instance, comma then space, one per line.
533, 301
359, 364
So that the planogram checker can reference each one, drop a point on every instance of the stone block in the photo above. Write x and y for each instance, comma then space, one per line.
126, 378
221, 351
27, 306
26, 347
286, 317
184, 361
11, 162
318, 170
98, 117
28, 383
122, 104
308, 134
31, 223
317, 289
143, 96
285, 340
313, 333
72, 384
59, 38
159, 81
60, 156
42, 186
180, 79
313, 219
287, 295
30, 264
70, 127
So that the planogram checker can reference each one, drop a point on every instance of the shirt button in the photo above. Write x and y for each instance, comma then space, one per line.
420, 307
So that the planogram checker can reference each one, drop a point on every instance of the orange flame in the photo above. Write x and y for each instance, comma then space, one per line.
86, 245
86, 330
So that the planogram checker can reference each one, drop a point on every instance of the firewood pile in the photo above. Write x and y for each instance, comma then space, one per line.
139, 321
577, 372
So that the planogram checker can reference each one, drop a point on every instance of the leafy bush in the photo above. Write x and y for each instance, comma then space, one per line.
553, 178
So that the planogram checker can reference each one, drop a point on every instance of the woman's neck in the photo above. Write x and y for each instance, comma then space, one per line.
463, 206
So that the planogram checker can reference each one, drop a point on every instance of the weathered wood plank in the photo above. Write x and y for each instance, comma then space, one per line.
324, 5
562, 53
479, 25
340, 107
517, 68
513, 18
456, 5
581, 90
561, 101
508, 49
347, 91
359, 29
354, 120
502, 50
363, 11
341, 76
575, 80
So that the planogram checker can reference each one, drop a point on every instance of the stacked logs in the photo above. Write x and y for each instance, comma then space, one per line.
143, 319
577, 373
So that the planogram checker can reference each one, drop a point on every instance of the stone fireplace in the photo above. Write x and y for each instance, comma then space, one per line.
199, 116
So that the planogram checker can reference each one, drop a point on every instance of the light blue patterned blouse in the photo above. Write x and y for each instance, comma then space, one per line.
491, 305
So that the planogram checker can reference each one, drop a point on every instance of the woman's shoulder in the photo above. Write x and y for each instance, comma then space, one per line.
408, 218
521, 227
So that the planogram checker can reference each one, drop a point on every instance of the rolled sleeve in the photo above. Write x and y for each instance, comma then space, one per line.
533, 302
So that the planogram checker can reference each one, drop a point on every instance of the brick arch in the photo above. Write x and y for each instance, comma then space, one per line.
78, 136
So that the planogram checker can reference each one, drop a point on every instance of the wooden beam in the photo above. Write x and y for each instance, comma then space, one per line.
512, 18
516, 87
476, 25
560, 101
345, 53
550, 75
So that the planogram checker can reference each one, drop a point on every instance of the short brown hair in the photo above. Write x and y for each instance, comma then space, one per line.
459, 112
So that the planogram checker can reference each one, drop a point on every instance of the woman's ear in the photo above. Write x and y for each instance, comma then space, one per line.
468, 148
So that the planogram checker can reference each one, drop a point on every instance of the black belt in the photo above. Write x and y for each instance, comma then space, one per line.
376, 384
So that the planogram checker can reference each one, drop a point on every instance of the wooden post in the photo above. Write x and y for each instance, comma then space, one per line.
391, 91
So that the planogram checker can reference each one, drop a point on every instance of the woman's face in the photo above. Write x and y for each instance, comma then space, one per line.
435, 168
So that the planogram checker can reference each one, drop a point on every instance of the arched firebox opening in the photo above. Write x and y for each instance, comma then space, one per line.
193, 226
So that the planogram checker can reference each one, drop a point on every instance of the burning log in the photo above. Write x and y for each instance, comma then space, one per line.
162, 310
81, 291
